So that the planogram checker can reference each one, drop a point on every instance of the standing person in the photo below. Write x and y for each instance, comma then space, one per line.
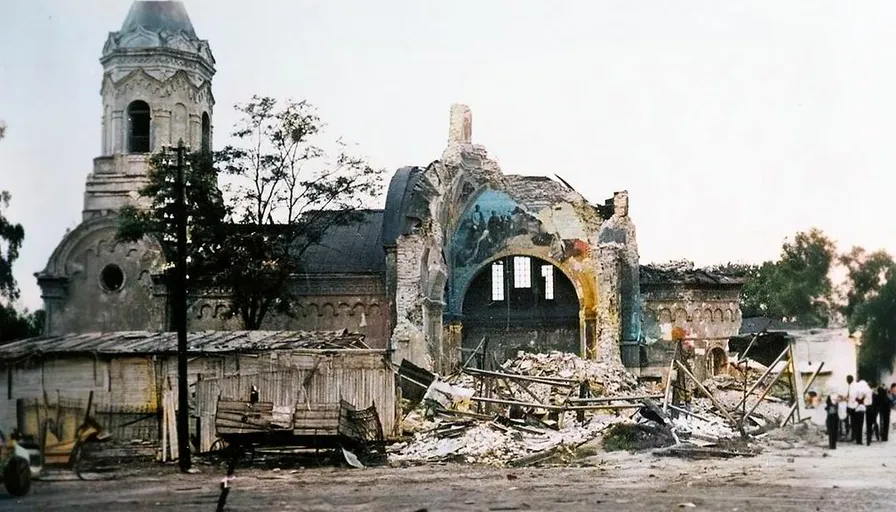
851, 408
863, 400
833, 420
843, 416
872, 412
883, 400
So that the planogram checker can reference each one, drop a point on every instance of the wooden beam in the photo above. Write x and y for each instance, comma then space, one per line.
712, 399
795, 404
764, 375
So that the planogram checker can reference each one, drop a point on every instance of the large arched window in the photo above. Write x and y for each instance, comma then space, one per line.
206, 133
138, 127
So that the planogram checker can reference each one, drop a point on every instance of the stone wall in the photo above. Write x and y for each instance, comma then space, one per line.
93, 284
710, 315
472, 215
357, 303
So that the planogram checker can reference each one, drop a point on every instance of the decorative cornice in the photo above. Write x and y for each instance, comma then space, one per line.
139, 79
145, 39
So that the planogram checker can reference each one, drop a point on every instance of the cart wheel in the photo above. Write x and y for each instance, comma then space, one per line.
17, 476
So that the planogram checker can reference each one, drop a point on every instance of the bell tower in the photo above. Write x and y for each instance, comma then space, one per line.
156, 91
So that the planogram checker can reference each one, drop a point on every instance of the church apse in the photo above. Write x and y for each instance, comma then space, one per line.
544, 245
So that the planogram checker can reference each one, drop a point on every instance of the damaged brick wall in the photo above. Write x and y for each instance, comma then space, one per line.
620, 229
709, 313
357, 303
485, 216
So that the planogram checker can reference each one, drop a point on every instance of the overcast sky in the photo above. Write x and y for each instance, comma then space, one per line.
731, 124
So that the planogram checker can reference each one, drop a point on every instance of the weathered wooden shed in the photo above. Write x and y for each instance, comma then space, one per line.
128, 372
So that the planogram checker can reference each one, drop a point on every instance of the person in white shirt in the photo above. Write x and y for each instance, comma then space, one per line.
863, 401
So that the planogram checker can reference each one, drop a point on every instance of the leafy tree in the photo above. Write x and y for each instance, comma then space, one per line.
13, 326
18, 326
796, 286
869, 307
205, 209
11, 238
282, 194
757, 297
805, 291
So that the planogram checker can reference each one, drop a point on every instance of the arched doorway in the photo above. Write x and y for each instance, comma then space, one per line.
519, 303
718, 361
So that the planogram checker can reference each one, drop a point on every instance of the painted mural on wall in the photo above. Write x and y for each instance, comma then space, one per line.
494, 221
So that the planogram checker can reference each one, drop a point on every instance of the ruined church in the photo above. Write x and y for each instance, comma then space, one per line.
464, 259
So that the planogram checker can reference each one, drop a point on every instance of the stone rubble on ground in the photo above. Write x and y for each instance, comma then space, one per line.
605, 379
496, 442
484, 442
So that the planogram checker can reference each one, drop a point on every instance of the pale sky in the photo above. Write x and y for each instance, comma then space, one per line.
731, 124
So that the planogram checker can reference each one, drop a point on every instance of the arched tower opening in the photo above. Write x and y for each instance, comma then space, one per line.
139, 117
206, 133
519, 303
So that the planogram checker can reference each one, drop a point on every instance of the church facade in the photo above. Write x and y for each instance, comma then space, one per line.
464, 259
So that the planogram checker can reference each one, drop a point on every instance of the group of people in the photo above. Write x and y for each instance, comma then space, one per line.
861, 406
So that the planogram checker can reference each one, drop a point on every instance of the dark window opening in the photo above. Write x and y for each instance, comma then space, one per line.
112, 278
520, 303
206, 133
138, 127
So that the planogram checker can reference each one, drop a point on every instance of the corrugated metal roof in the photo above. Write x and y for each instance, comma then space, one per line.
144, 342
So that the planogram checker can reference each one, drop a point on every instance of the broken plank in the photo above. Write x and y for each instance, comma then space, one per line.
246, 406
712, 398
552, 381
613, 398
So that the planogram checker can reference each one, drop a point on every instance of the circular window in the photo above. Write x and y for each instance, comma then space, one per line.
112, 278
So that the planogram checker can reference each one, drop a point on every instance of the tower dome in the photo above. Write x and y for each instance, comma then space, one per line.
158, 29
157, 17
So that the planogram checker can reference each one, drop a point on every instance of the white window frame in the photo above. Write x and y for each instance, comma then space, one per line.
547, 272
498, 281
522, 272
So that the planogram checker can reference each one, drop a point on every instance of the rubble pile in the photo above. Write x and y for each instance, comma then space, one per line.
532, 404
707, 426
603, 378
537, 406
490, 443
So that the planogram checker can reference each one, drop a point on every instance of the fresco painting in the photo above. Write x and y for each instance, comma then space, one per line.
494, 220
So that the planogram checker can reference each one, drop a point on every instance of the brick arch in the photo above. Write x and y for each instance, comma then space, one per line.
585, 289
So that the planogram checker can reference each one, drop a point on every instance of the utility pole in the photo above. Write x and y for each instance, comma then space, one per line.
180, 312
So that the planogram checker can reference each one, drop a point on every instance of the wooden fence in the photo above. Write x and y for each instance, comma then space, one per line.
361, 378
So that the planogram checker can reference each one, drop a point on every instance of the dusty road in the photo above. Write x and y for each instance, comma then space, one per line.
787, 476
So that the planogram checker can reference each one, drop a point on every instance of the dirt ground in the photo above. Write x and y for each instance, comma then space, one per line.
794, 472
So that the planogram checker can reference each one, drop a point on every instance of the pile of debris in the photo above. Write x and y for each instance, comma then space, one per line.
497, 441
532, 406
604, 379
535, 406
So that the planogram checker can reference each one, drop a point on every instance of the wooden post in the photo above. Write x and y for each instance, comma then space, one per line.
761, 398
668, 388
795, 404
712, 399
764, 375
